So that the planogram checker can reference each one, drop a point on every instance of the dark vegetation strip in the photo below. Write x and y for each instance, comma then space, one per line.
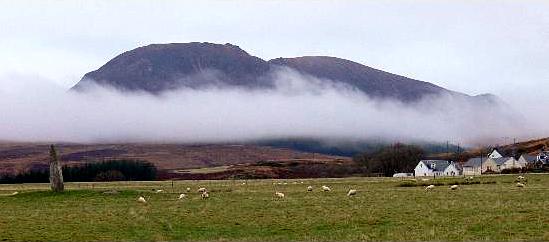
112, 170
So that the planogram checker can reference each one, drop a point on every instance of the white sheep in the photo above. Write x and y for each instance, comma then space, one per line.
14, 193
310, 188
205, 195
521, 185
142, 200
326, 188
430, 187
469, 178
454, 187
279, 194
182, 195
159, 191
188, 189
351, 192
520, 178
202, 190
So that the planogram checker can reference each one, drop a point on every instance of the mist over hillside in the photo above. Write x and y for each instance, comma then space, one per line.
299, 106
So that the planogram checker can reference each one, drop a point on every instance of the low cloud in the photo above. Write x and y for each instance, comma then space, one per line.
298, 107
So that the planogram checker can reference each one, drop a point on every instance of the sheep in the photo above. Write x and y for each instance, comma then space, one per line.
279, 194
469, 178
14, 193
430, 187
454, 187
326, 188
188, 189
182, 195
521, 185
521, 178
205, 195
202, 190
310, 188
142, 200
351, 192
159, 191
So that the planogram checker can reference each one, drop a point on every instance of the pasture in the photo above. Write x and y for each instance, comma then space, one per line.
249, 211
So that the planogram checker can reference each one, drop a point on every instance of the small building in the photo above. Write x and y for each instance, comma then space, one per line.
495, 154
403, 175
503, 163
527, 159
478, 165
543, 157
436, 168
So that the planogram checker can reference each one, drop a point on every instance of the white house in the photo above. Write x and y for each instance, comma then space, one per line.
495, 154
477, 166
436, 168
506, 163
527, 159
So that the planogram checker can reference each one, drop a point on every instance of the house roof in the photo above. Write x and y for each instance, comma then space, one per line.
474, 162
439, 165
529, 158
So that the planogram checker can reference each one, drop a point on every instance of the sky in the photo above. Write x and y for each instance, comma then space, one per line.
475, 47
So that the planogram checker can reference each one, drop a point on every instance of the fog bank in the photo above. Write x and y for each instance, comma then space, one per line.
300, 106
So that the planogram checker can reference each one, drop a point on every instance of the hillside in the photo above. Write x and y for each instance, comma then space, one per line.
162, 67
21, 156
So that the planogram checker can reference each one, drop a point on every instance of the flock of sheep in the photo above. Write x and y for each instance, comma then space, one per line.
520, 180
204, 193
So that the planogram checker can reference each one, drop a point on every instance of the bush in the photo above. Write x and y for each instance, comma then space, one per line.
113, 170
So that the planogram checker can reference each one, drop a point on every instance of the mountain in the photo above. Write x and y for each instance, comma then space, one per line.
161, 67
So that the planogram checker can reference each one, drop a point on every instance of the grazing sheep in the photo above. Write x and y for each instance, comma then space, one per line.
521, 178
159, 191
310, 188
469, 178
201, 190
188, 189
205, 195
454, 187
182, 195
521, 185
142, 200
430, 187
279, 194
326, 188
351, 192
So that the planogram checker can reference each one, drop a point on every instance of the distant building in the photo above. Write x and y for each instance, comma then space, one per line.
403, 174
437, 168
495, 154
543, 157
527, 159
503, 163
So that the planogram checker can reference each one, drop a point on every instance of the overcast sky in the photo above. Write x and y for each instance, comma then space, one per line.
474, 47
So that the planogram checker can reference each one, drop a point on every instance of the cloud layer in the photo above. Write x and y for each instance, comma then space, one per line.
299, 106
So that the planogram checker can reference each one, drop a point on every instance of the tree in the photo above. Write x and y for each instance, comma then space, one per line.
56, 174
391, 159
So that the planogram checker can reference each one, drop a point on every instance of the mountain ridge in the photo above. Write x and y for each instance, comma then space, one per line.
156, 68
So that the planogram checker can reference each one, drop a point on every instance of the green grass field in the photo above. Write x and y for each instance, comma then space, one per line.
381, 210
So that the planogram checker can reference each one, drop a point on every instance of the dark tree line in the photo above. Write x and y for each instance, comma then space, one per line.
113, 170
391, 159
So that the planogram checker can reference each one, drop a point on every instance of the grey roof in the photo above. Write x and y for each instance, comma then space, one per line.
440, 165
474, 162
500, 161
530, 158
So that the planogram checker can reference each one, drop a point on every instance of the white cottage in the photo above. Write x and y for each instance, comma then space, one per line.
436, 168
